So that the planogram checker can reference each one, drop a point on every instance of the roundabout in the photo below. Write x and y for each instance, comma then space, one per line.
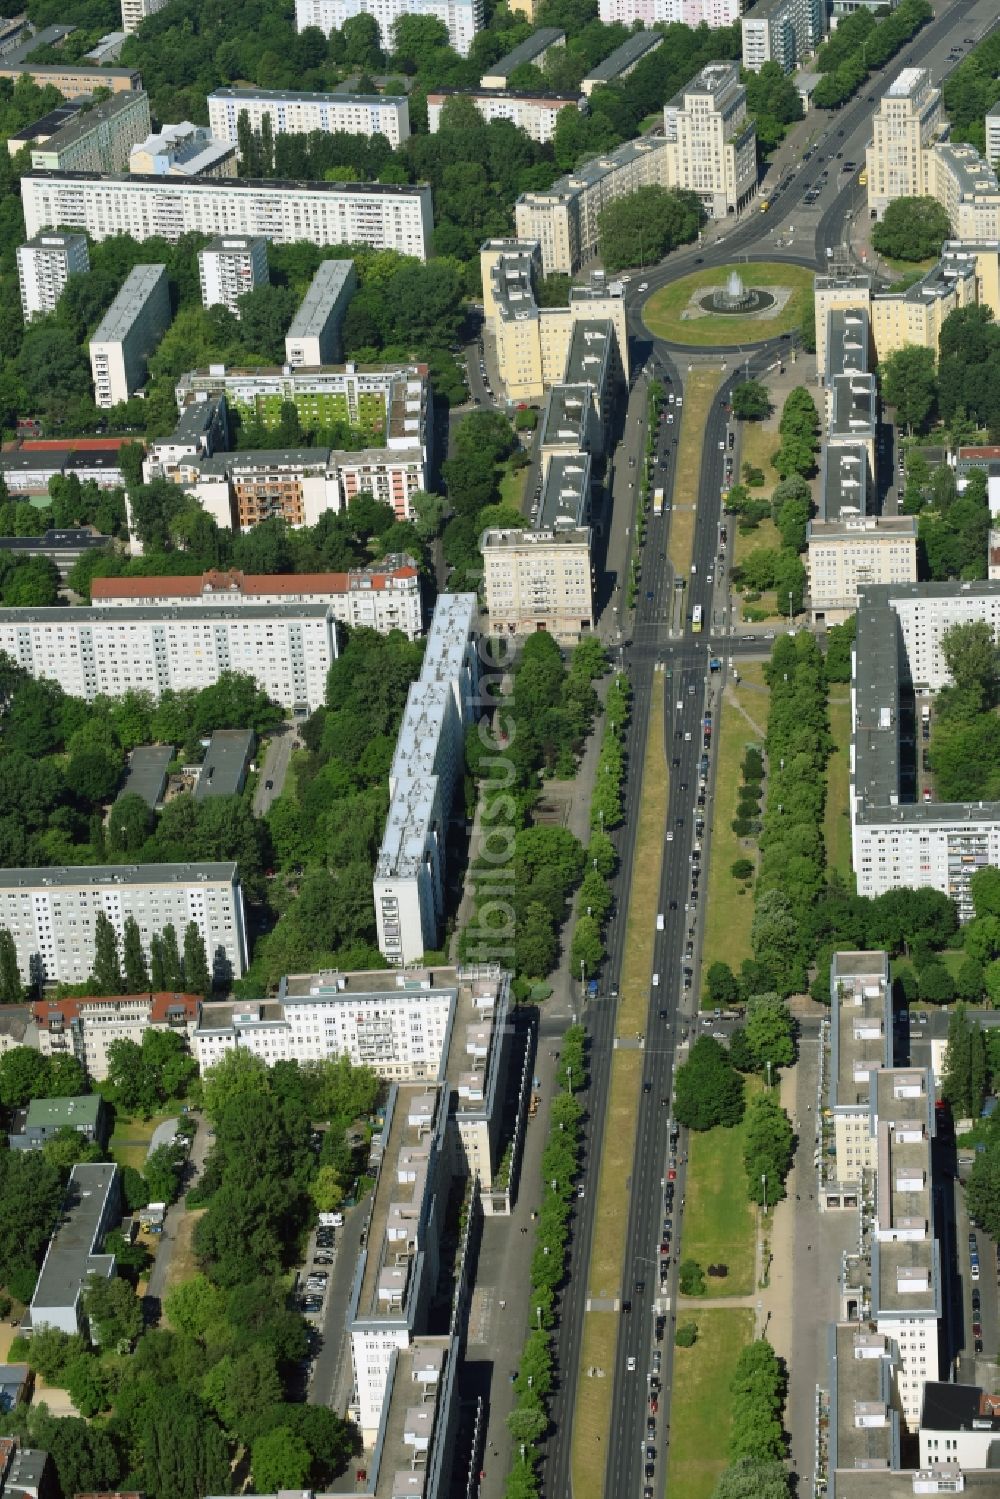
723, 306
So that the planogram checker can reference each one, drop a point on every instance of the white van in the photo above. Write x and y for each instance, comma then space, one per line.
656, 980
660, 923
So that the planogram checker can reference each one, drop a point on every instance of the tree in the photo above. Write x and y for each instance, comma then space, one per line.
84, 1456
134, 959
643, 227
11, 988
587, 949
709, 1091
130, 823
197, 978
909, 384
751, 401
753, 1478
982, 1195
92, 775
113, 1311
281, 1460
973, 660
984, 887
964, 1079
723, 989
768, 1146
770, 1031
173, 968
183, 1452
970, 981
24, 1075
106, 970
912, 229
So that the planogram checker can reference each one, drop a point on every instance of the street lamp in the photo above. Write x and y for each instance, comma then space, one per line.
790, 609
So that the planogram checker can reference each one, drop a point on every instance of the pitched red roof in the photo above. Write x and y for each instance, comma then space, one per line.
250, 584
44, 1010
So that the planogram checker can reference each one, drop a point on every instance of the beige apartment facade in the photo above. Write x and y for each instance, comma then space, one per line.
711, 146
539, 580
850, 552
907, 121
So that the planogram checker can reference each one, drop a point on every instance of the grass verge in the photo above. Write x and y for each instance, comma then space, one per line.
699, 392
664, 312
183, 1260
728, 902
837, 822
699, 1405
718, 1219
512, 487
129, 1144
592, 1414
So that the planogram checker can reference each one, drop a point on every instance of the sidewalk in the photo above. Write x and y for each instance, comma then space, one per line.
500, 1314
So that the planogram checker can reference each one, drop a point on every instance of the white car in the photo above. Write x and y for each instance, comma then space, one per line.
708, 578
694, 568
670, 837
630, 1364
670, 417
722, 445
687, 736
644, 286
680, 400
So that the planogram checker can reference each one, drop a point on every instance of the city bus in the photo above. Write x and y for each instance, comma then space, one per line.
696, 614
863, 177
658, 501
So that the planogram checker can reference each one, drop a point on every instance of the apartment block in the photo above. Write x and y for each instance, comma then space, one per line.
959, 1427
986, 460
571, 426
860, 1047
134, 12
384, 216
534, 113
539, 580
782, 31
44, 265
896, 840
128, 333
51, 913
837, 293
532, 50
85, 1028
533, 343
383, 597
72, 79
43, 1118
183, 150
711, 145
850, 546
202, 429
409, 883
906, 123
624, 59
91, 1207
648, 13
229, 267
992, 124
420, 1421
37, 132
239, 489
29, 467
314, 336
107, 48
294, 113
863, 1433
967, 188
563, 219
97, 139
917, 315
287, 648
461, 18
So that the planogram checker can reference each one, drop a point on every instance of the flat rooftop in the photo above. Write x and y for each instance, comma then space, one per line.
862, 1027
402, 1191
855, 406
864, 1428
590, 352
256, 185
567, 412
876, 681
975, 177
908, 83
325, 291
539, 41
118, 321
848, 334
83, 123
590, 173
410, 1427
49, 124
147, 772
959, 1407
566, 494
78, 618
64, 1113
225, 763
293, 97
843, 481
70, 1257
92, 876
627, 55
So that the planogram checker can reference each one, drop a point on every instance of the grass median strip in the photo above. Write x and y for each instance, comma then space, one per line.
729, 902
592, 1415
700, 1402
718, 1219
836, 822
700, 387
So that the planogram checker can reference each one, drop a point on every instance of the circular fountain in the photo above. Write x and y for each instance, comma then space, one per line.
736, 297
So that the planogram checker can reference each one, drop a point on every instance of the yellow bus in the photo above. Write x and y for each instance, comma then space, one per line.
696, 618
765, 204
863, 177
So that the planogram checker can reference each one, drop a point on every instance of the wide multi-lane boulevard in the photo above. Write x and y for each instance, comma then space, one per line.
656, 643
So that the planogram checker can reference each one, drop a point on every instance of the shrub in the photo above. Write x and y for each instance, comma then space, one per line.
692, 1278
686, 1335
742, 869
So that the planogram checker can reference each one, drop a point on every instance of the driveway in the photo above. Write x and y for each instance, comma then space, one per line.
175, 1216
163, 1134
272, 775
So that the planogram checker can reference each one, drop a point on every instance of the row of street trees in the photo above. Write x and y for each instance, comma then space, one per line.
861, 45
528, 1421
595, 899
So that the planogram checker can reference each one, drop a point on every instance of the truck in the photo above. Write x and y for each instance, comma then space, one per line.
533, 1106
715, 664
658, 500
592, 988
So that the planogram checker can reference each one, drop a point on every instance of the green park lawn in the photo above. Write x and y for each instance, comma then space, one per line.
836, 821
699, 1404
718, 1219
129, 1143
663, 312
728, 904
700, 387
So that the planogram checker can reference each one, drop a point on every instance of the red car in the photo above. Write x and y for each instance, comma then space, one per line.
671, 1175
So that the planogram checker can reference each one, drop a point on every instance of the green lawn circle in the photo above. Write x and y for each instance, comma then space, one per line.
662, 311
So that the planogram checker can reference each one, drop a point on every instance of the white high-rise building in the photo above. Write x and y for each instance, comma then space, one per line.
409, 883
292, 113
128, 333
713, 13
905, 124
381, 215
44, 265
711, 145
992, 123
782, 31
463, 18
134, 12
287, 648
534, 113
52, 913
229, 267
314, 336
